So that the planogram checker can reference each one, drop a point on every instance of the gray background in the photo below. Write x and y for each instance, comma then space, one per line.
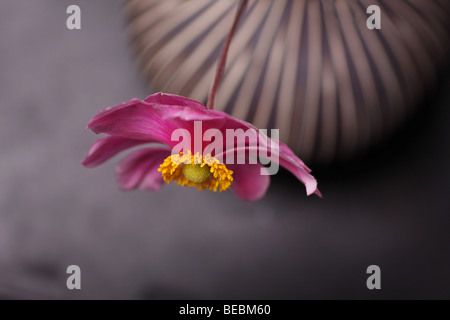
390, 207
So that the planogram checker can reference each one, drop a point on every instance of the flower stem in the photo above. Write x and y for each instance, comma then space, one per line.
223, 56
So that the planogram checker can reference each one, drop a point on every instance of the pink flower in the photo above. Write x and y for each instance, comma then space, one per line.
153, 121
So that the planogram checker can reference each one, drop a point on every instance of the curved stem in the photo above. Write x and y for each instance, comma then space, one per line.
223, 57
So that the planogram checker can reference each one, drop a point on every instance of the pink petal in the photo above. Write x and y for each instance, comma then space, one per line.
134, 120
140, 169
289, 161
107, 147
184, 117
284, 149
301, 172
152, 121
248, 183
164, 99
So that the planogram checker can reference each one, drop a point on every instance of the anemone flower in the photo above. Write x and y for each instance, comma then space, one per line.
154, 120
164, 119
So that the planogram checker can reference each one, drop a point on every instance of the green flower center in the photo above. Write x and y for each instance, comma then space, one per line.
196, 173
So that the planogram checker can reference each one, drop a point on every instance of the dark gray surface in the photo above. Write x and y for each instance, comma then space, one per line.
389, 208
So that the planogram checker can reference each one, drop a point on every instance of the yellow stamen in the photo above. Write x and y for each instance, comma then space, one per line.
196, 171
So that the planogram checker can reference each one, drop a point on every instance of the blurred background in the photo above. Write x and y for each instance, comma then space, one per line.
388, 206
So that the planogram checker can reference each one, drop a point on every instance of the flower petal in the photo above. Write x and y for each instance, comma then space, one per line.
135, 120
164, 99
107, 147
140, 169
288, 160
301, 172
248, 183
154, 119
